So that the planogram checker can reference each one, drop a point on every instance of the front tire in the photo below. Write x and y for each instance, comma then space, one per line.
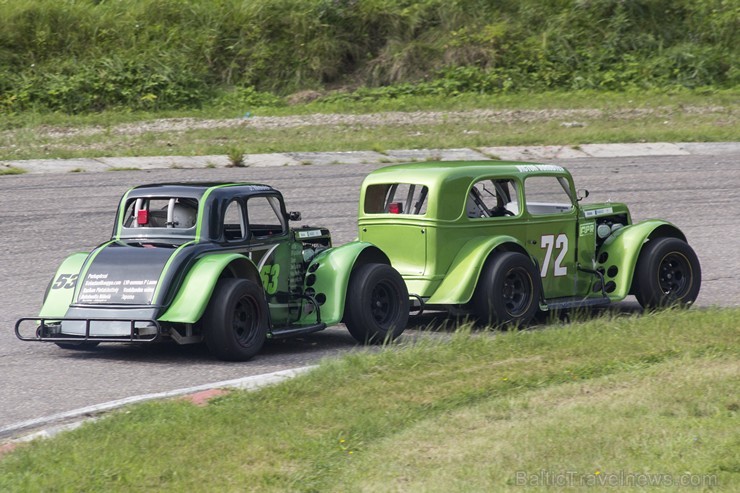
667, 274
377, 304
236, 320
508, 291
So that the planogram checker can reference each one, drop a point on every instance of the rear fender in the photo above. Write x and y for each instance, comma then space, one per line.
328, 276
622, 249
195, 292
62, 287
462, 277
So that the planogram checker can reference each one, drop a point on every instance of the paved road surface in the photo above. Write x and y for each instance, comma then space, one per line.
45, 217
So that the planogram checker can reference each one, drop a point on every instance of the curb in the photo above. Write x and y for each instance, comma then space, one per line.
510, 153
25, 431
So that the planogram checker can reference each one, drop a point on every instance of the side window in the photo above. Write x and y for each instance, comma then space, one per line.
396, 198
547, 195
493, 198
234, 227
265, 217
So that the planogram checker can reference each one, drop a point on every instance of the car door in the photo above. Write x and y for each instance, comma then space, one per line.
551, 232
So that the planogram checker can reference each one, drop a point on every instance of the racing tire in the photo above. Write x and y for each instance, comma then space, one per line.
236, 320
667, 274
377, 304
508, 291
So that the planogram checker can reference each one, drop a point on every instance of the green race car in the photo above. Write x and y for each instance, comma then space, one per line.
217, 262
502, 240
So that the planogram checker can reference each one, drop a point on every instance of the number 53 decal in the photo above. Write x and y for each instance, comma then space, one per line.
270, 277
551, 243
66, 281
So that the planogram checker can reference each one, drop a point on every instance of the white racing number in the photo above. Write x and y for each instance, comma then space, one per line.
551, 243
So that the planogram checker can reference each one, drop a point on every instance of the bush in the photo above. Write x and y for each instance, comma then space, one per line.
86, 55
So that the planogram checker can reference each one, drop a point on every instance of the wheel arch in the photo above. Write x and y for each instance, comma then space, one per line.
621, 251
195, 292
328, 277
464, 273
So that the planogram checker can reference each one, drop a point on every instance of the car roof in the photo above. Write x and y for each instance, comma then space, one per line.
438, 172
197, 189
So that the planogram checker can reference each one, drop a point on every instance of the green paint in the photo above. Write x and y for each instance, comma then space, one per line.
269, 277
332, 271
121, 212
58, 300
441, 253
195, 292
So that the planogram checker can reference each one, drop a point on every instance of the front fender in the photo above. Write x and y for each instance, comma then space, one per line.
622, 249
59, 298
328, 276
195, 292
460, 281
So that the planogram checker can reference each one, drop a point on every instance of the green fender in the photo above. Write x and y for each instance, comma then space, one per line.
195, 292
461, 278
623, 249
58, 299
328, 275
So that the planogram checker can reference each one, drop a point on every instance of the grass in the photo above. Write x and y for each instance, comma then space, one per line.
83, 56
613, 397
11, 170
124, 168
619, 117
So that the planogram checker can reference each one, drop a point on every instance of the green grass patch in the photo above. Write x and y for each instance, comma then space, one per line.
466, 121
11, 170
615, 395
124, 168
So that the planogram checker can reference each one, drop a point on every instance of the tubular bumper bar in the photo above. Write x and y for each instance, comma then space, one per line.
49, 330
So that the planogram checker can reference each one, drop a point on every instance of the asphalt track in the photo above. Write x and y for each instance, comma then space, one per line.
44, 217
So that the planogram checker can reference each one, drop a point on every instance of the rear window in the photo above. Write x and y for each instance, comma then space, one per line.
396, 198
160, 216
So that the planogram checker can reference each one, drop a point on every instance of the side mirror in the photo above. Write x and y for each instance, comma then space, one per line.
294, 216
581, 194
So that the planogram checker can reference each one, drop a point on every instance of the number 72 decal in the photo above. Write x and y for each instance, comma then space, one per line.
551, 243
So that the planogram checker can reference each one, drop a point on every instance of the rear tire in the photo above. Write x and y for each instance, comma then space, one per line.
236, 320
508, 291
377, 304
668, 273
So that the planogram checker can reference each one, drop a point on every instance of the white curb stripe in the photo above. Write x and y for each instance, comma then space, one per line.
247, 383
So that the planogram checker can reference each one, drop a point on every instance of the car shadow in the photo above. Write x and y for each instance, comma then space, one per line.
301, 349
333, 341
445, 323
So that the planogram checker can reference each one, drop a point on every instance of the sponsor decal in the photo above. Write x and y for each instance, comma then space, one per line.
101, 288
309, 234
599, 212
122, 274
587, 229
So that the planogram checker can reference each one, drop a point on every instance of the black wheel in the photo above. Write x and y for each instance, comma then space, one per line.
667, 274
377, 304
508, 290
236, 320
